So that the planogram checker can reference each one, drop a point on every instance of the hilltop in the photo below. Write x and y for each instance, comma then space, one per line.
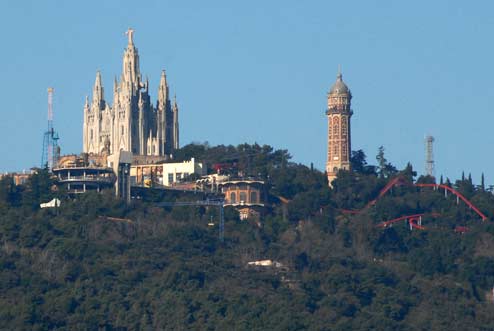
98, 264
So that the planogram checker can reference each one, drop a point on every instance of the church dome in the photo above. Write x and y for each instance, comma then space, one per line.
339, 87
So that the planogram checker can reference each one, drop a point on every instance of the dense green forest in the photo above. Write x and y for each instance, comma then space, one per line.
98, 264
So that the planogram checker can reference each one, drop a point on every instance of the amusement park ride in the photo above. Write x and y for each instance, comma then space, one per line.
415, 221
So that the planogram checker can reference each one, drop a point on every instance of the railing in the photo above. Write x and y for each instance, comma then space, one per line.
87, 179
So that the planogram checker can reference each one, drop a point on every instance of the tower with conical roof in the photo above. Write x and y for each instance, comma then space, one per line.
339, 134
132, 123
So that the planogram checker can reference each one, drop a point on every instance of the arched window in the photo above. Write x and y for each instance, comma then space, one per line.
253, 197
91, 135
343, 127
243, 197
336, 126
233, 197
122, 130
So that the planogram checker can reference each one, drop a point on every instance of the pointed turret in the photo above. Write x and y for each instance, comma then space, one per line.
86, 105
162, 91
130, 68
98, 92
175, 123
175, 105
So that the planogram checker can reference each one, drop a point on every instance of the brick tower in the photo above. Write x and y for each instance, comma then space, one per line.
339, 137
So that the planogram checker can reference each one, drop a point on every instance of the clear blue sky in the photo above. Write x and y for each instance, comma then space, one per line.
259, 71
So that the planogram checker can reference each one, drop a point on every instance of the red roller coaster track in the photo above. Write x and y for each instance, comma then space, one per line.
415, 221
458, 195
412, 219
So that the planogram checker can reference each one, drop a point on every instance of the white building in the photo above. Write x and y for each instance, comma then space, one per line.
177, 172
166, 174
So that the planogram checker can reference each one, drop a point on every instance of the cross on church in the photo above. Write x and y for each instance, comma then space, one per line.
130, 32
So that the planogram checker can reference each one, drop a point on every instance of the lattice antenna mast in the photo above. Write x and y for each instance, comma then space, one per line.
429, 156
50, 154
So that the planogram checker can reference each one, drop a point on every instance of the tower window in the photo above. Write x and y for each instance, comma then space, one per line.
233, 197
122, 130
343, 127
336, 126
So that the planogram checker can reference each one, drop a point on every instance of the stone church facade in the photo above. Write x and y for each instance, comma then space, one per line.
132, 123
339, 134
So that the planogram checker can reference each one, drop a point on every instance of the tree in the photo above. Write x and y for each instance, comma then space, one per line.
359, 164
9, 192
385, 169
39, 188
381, 161
408, 172
358, 161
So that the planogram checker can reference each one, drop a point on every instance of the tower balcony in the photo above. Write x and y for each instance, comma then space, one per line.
340, 110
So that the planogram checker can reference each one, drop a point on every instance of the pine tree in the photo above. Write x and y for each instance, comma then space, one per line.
381, 161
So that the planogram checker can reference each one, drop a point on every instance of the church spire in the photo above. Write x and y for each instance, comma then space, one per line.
162, 91
176, 144
130, 67
98, 91
175, 105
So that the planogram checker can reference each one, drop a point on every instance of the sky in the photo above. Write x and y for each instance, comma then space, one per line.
259, 71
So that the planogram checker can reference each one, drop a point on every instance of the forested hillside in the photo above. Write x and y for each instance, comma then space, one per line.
97, 264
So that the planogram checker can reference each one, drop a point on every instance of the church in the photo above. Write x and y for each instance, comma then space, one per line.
132, 123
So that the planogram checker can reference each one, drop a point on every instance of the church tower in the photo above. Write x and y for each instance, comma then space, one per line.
132, 123
339, 136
